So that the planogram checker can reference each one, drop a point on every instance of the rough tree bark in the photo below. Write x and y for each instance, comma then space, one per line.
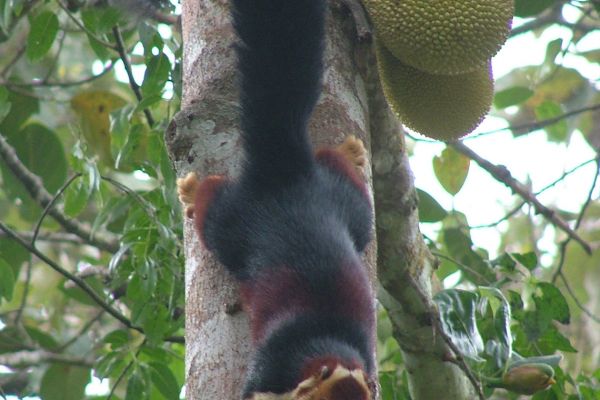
204, 137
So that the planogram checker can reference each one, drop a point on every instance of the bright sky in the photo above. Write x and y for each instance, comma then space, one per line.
529, 158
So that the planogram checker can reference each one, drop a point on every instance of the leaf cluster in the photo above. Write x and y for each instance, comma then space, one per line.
111, 304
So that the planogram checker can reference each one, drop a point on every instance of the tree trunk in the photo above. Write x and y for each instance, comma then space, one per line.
204, 137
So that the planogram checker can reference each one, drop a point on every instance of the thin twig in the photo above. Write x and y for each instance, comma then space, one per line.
40, 83
167, 19
576, 300
81, 332
56, 237
86, 30
134, 86
54, 62
119, 379
25, 295
78, 281
36, 231
34, 358
36, 189
502, 174
542, 190
49, 206
13, 61
522, 129
565, 243
462, 266
534, 126
549, 17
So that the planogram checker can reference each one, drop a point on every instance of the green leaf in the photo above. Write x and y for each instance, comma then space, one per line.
136, 388
457, 313
429, 209
6, 15
558, 131
4, 103
147, 102
42, 338
506, 262
108, 18
7, 280
471, 264
155, 321
76, 197
502, 319
64, 382
22, 107
164, 380
117, 338
40, 149
528, 260
157, 73
79, 295
552, 340
512, 96
552, 50
44, 28
516, 302
451, 169
13, 253
553, 302
110, 364
528, 8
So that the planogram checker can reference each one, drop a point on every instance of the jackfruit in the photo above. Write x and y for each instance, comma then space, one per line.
444, 107
442, 36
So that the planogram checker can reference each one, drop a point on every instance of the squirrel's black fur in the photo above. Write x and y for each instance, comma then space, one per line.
292, 226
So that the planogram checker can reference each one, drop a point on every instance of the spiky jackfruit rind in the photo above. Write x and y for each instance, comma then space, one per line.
442, 36
443, 107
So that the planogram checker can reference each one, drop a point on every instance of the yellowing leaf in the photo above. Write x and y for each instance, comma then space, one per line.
93, 109
451, 169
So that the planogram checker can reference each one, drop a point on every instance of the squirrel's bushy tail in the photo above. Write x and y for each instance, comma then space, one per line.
280, 53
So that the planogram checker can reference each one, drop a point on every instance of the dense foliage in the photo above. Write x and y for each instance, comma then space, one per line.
103, 294
91, 261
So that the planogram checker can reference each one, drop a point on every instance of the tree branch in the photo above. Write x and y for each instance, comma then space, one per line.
402, 254
534, 126
53, 237
521, 129
542, 190
132, 83
80, 283
23, 359
502, 174
36, 189
168, 19
547, 18
40, 83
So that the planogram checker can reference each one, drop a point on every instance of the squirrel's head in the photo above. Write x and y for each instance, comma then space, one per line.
327, 380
